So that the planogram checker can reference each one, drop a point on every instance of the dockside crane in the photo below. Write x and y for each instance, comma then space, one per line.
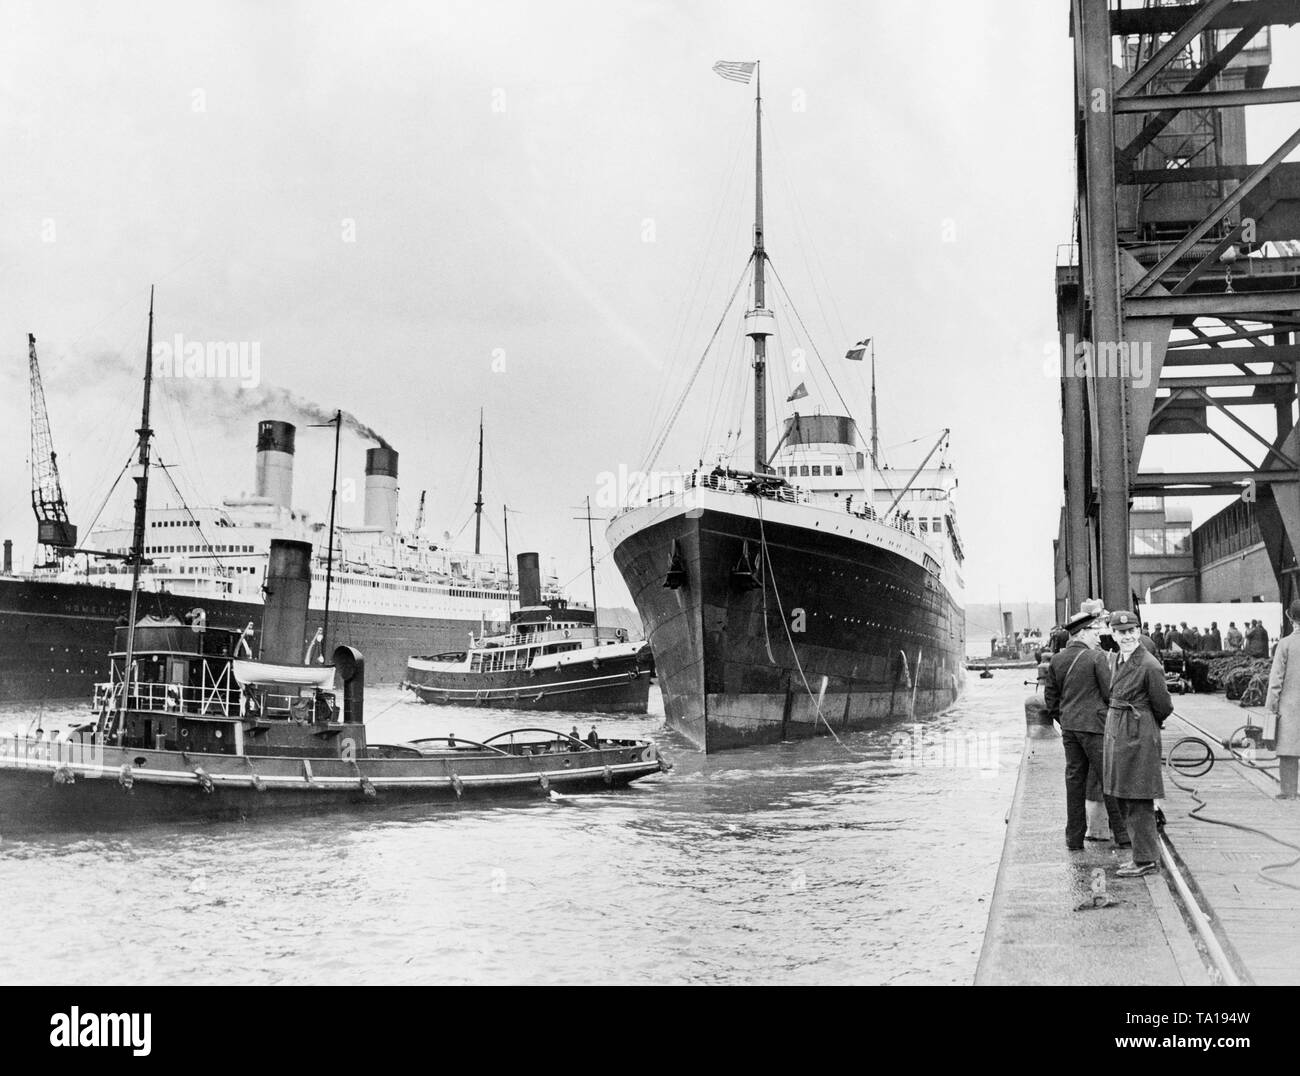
55, 534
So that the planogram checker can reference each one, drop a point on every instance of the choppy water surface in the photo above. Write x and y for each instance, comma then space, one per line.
813, 862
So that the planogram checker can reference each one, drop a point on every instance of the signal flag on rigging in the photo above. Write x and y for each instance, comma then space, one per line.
859, 350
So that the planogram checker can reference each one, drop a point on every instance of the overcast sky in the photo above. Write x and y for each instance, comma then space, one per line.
417, 210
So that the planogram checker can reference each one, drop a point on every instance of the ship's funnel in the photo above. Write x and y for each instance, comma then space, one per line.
284, 617
9, 556
530, 580
275, 462
381, 489
820, 430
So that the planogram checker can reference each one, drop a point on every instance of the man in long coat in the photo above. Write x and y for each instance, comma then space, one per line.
1235, 638
1176, 637
1257, 640
1283, 703
1139, 704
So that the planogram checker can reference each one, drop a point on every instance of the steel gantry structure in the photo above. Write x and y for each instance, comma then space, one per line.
1184, 298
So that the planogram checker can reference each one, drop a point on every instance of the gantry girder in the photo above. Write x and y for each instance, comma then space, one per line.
1172, 222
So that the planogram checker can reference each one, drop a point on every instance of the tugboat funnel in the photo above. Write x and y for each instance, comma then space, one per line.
351, 668
530, 580
284, 616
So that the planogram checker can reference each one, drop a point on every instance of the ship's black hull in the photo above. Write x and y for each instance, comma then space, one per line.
607, 685
55, 637
825, 638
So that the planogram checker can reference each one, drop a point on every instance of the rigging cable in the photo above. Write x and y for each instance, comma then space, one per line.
166, 469
811, 342
767, 557
672, 418
102, 504
683, 326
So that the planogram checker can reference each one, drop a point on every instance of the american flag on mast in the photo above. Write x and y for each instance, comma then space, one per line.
735, 70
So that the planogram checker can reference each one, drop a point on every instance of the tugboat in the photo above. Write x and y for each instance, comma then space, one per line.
552, 658
191, 726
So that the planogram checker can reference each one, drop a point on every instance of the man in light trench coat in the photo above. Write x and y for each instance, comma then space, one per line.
1139, 704
1283, 705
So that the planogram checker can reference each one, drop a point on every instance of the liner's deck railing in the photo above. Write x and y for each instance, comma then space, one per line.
772, 491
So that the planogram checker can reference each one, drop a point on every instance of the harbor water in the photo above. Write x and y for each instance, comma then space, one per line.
870, 860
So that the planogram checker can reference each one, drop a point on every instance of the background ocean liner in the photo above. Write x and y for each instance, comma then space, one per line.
391, 594
810, 593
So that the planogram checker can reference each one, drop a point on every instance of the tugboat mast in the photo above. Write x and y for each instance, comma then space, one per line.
591, 564
329, 555
505, 523
141, 508
478, 504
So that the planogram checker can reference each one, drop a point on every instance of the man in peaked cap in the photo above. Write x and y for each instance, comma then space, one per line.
1075, 692
1139, 704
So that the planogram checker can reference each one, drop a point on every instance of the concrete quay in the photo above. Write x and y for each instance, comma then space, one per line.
1063, 918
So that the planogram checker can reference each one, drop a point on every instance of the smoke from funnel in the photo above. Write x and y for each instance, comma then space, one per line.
269, 399
224, 400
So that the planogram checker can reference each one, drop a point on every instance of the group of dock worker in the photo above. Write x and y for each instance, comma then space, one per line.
1110, 706
1175, 638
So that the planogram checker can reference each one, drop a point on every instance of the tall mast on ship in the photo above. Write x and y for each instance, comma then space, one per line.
759, 320
141, 509
875, 426
478, 504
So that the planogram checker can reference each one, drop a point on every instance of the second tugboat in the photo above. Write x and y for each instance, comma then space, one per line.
552, 658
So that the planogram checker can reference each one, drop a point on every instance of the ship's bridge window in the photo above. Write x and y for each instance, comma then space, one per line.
803, 470
839, 468
925, 525
816, 469
936, 525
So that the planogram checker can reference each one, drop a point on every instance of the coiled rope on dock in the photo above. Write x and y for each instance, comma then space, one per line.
1207, 741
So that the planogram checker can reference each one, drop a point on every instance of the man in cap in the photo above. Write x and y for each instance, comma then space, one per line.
1075, 690
1158, 637
1257, 640
1213, 640
1139, 704
1060, 639
1147, 643
1178, 637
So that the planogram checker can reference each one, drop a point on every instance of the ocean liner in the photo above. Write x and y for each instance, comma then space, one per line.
812, 592
390, 593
